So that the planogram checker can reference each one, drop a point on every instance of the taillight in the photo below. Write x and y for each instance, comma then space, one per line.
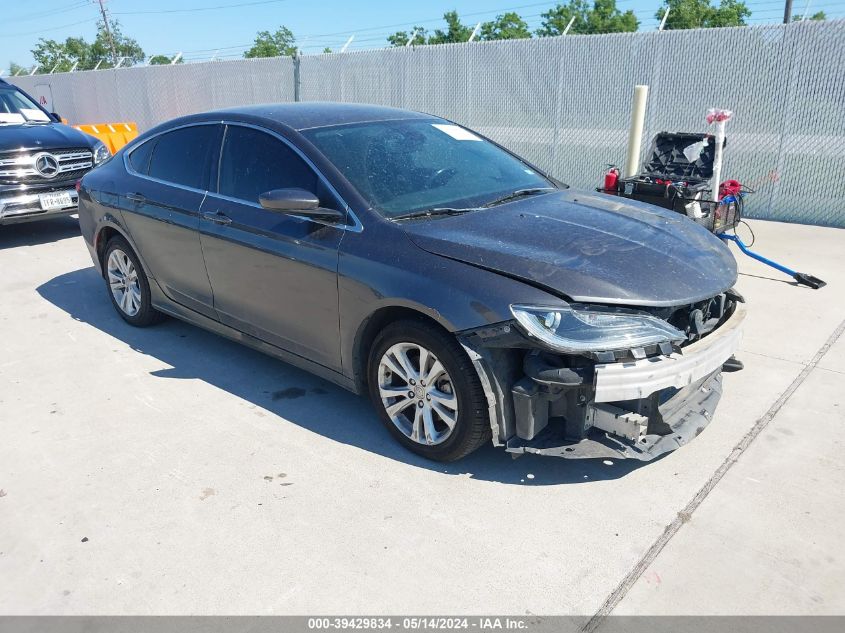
78, 185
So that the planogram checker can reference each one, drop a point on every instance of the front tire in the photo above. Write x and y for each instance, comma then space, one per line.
427, 392
127, 284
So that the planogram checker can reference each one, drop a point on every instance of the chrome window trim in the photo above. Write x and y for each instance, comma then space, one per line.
353, 223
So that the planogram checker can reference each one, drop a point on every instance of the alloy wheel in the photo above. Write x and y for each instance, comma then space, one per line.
417, 393
123, 282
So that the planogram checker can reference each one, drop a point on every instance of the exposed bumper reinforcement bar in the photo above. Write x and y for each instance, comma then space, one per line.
639, 379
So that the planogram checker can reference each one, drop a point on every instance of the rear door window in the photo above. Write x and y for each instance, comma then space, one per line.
182, 157
254, 162
139, 158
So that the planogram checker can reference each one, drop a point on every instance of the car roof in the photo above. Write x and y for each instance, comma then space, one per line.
304, 115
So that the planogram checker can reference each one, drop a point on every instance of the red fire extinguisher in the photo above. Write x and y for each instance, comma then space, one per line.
611, 180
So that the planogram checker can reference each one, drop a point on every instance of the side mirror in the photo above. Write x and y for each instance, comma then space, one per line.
56, 117
298, 202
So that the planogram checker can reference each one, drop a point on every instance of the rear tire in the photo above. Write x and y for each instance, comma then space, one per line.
127, 284
426, 391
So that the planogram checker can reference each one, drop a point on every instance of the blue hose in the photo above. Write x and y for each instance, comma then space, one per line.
802, 278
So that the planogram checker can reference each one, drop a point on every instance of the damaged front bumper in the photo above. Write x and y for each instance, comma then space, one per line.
626, 409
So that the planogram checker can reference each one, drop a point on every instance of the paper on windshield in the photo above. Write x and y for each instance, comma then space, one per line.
456, 132
34, 115
11, 117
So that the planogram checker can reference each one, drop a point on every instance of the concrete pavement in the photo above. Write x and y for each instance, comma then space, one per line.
168, 470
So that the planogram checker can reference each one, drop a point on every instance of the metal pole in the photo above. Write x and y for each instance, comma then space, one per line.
806, 10
34, 68
297, 81
474, 32
412, 38
176, 58
348, 42
663, 21
787, 12
569, 26
108, 33
75, 64
98, 64
635, 134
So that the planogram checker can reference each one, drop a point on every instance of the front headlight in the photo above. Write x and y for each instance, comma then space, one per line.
101, 153
565, 329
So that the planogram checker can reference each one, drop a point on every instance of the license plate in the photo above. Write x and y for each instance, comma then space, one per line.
55, 200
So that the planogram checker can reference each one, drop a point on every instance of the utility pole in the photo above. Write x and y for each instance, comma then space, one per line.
108, 33
787, 12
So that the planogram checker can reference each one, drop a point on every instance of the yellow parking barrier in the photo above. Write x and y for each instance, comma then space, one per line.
114, 135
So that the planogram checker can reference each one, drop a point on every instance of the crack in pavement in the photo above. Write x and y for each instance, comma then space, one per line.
684, 515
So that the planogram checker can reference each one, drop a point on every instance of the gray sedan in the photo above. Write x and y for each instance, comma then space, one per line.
397, 254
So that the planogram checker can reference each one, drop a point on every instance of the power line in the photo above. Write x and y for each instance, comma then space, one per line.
43, 14
39, 31
196, 9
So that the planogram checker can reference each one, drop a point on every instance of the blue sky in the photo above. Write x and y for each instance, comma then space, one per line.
201, 30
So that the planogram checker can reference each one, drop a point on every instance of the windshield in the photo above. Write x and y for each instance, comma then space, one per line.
17, 108
403, 167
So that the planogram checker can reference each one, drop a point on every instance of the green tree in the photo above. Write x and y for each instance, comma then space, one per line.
162, 60
818, 16
15, 68
282, 43
508, 26
603, 16
400, 38
125, 47
327, 50
700, 14
455, 30
62, 56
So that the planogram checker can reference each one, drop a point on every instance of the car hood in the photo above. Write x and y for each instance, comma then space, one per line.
587, 247
42, 136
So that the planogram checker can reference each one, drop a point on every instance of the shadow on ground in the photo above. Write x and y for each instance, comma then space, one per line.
295, 395
38, 232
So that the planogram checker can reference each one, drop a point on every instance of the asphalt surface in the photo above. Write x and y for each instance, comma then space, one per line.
168, 470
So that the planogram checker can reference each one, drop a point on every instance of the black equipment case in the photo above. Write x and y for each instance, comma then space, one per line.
676, 175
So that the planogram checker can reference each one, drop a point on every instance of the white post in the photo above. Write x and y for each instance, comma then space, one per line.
98, 64
348, 42
717, 160
75, 64
34, 68
177, 58
663, 21
635, 134
20, 70
474, 32
411, 39
569, 26
56, 66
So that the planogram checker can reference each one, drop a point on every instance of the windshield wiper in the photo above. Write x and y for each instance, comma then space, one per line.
519, 193
436, 211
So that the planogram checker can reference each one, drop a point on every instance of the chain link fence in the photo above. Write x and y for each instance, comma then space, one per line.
563, 103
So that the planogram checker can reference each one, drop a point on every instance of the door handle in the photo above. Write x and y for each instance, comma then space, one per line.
136, 197
218, 217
